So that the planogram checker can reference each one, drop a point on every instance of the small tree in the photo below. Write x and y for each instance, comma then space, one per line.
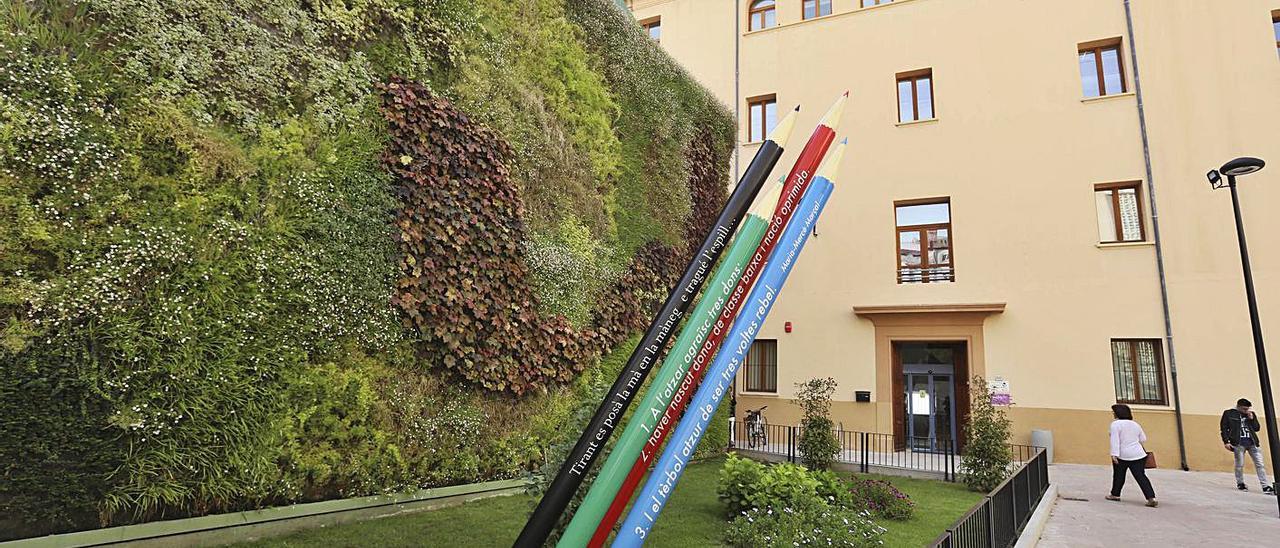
818, 444
987, 455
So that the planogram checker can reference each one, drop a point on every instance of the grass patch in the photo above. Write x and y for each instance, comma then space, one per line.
938, 505
693, 518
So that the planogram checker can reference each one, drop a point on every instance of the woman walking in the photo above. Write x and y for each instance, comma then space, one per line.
1128, 454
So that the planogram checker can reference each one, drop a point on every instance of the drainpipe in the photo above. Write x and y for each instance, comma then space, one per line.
737, 151
1155, 230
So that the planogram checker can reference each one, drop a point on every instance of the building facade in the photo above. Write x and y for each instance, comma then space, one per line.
1021, 201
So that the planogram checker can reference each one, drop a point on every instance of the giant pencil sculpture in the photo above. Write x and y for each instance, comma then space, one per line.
611, 410
674, 368
796, 182
675, 457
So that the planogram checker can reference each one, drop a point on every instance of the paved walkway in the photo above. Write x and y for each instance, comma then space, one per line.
1196, 508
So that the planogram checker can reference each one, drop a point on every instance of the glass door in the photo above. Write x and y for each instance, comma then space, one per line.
930, 411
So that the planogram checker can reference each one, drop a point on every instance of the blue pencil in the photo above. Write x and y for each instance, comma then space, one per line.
719, 380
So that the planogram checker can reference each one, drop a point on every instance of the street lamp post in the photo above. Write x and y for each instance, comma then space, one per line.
1232, 169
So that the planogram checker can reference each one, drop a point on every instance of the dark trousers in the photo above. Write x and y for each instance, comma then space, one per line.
1139, 475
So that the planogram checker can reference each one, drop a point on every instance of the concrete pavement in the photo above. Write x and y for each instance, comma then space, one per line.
1196, 508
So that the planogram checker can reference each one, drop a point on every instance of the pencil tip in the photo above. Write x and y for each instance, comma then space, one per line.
844, 141
846, 93
797, 108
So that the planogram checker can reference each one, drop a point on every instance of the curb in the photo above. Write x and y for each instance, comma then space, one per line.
1035, 524
254, 524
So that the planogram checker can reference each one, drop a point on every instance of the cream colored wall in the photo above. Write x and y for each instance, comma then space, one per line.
1018, 152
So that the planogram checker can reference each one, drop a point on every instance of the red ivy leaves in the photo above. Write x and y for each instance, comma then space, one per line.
464, 283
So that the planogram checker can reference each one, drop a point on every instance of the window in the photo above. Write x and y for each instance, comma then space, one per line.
1120, 213
1101, 68
816, 8
762, 115
1275, 27
762, 367
1139, 371
869, 3
924, 241
653, 27
915, 95
762, 15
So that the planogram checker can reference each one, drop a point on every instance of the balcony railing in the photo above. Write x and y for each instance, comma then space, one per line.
912, 275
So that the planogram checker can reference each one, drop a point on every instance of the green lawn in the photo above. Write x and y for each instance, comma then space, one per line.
693, 518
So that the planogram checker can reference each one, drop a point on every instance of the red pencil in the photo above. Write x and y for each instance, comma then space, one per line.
797, 181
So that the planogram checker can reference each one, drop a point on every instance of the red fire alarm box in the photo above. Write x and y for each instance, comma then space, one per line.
786, 327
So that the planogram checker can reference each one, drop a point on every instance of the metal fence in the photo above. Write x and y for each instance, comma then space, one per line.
998, 519
864, 450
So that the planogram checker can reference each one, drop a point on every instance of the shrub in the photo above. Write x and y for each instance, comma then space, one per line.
738, 480
783, 485
882, 499
818, 444
746, 484
987, 455
833, 488
812, 524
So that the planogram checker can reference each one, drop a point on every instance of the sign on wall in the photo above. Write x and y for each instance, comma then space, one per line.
998, 387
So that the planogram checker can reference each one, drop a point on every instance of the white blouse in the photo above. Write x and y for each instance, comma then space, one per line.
1127, 438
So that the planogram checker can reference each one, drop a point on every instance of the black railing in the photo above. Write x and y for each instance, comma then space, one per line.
910, 274
862, 450
998, 519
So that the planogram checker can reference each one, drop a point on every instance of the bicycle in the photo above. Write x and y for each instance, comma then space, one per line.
757, 428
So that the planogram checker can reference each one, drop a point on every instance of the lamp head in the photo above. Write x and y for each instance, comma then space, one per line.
1215, 179
1242, 166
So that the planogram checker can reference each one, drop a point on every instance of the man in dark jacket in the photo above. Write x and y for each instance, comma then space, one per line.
1239, 428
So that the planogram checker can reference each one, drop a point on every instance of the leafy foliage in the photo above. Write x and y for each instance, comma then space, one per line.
746, 484
987, 456
198, 254
738, 479
809, 524
788, 505
882, 499
818, 443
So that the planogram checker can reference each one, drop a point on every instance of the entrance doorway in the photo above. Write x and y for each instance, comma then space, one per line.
927, 413
931, 413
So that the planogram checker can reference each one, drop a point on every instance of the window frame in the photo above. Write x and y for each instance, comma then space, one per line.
763, 100
864, 4
1117, 225
914, 76
648, 23
1096, 48
761, 369
752, 10
817, 9
923, 231
1132, 345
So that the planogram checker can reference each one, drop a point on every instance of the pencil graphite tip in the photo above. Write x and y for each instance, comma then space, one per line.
782, 131
831, 165
832, 118
767, 201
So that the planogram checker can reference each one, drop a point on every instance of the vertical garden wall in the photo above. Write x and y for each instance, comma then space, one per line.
258, 252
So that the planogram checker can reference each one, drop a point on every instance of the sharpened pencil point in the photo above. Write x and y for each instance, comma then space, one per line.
832, 118
832, 164
782, 131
